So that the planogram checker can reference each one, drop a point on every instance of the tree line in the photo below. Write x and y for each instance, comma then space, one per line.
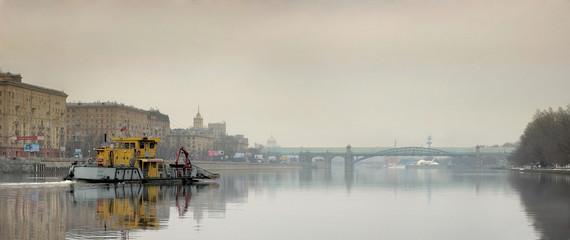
546, 140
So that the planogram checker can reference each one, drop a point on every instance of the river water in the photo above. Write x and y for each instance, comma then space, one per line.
369, 203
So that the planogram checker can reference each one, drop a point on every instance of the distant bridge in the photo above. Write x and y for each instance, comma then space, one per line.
351, 157
361, 151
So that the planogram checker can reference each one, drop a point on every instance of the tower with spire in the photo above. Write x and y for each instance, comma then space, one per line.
198, 120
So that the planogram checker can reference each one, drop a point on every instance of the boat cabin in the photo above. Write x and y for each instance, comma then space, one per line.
134, 152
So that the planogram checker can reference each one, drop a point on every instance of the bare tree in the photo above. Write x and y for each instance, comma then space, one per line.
546, 139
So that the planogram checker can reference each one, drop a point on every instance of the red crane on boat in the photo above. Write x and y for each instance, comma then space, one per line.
187, 166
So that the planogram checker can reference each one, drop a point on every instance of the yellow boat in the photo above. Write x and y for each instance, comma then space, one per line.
134, 160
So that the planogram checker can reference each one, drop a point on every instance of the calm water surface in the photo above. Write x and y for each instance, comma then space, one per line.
370, 203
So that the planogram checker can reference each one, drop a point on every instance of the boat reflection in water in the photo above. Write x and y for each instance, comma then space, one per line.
118, 208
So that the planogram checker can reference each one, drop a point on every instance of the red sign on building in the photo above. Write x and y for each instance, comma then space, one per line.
28, 138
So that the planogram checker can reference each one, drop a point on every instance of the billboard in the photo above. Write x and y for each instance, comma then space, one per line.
31, 147
28, 138
215, 153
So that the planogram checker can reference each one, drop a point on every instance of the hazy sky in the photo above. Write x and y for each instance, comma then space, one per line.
312, 73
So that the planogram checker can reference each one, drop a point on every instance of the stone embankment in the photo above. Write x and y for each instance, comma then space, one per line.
16, 165
34, 164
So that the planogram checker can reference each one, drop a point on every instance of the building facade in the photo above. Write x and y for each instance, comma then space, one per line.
200, 141
218, 129
32, 119
196, 139
89, 123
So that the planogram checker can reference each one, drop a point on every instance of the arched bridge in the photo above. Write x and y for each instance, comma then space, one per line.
353, 157
409, 151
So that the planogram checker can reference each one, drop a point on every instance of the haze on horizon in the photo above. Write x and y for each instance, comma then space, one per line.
310, 73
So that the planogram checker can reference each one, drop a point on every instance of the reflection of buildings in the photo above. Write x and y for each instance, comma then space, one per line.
33, 213
115, 208
87, 211
108, 210
30, 114
132, 207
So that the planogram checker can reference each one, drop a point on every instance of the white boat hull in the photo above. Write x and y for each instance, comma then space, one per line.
90, 173
105, 174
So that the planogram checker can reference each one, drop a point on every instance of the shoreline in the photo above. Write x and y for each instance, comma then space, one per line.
32, 165
241, 166
564, 171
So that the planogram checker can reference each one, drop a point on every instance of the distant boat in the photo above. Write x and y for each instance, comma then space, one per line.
424, 164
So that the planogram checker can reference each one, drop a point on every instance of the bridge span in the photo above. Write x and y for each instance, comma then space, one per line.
353, 155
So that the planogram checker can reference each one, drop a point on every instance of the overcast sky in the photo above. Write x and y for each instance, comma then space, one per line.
312, 73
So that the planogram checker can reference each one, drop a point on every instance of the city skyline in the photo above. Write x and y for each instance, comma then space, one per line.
307, 73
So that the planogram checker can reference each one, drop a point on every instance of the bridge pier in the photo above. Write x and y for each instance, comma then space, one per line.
328, 160
305, 159
478, 162
348, 159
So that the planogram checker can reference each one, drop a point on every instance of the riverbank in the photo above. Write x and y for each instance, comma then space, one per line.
541, 170
10, 165
17, 165
241, 166
14, 165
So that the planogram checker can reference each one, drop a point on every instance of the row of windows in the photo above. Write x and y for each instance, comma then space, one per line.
45, 99
97, 110
92, 110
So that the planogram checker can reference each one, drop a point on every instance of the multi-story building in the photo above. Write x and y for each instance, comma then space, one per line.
89, 123
219, 129
199, 140
32, 119
196, 139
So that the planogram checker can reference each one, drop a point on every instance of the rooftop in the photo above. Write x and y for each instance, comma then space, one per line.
7, 78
